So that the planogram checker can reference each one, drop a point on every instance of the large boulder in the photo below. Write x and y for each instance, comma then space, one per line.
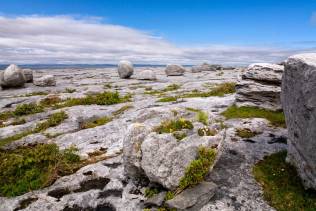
12, 77
147, 75
28, 74
203, 67
174, 70
299, 104
46, 80
125, 69
260, 86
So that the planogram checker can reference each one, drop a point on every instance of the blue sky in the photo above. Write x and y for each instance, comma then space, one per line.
192, 26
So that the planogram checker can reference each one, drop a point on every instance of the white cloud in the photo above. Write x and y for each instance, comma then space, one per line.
64, 39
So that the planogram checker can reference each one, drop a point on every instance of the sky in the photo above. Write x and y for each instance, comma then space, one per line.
232, 32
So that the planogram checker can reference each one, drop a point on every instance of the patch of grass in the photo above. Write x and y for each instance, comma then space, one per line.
54, 120
34, 94
192, 109
18, 121
169, 88
169, 195
197, 169
70, 90
26, 169
171, 126
107, 86
104, 98
5, 115
167, 99
205, 131
26, 109
179, 135
95, 123
122, 110
282, 186
245, 133
276, 118
219, 90
202, 117
150, 192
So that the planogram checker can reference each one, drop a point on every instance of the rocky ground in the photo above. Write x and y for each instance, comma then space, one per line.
103, 185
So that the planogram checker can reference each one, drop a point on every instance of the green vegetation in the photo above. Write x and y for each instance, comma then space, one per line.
53, 120
219, 90
169, 195
70, 90
27, 169
167, 99
281, 184
122, 110
51, 100
205, 131
150, 192
276, 118
104, 98
26, 109
245, 133
169, 88
174, 125
107, 86
179, 135
202, 117
192, 109
95, 123
34, 94
18, 121
197, 169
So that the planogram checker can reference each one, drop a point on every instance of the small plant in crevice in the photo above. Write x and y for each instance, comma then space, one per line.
206, 131
171, 126
169, 195
150, 192
198, 169
70, 90
95, 123
179, 135
245, 133
202, 117
167, 99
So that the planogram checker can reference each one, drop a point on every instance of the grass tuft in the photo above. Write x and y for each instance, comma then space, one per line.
27, 169
245, 133
197, 169
70, 90
202, 117
276, 118
167, 99
282, 186
26, 109
171, 126
95, 123
150, 192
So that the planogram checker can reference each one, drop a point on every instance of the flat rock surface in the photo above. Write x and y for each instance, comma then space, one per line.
103, 185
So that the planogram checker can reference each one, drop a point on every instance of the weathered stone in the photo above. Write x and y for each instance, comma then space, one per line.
46, 80
12, 77
30, 140
132, 150
156, 200
193, 198
147, 75
203, 67
125, 69
28, 74
299, 104
174, 70
164, 159
260, 86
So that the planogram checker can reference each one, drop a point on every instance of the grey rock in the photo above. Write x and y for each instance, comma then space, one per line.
260, 86
125, 69
28, 74
46, 80
299, 104
174, 70
164, 159
12, 77
193, 198
265, 72
132, 149
30, 140
203, 67
147, 75
156, 200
